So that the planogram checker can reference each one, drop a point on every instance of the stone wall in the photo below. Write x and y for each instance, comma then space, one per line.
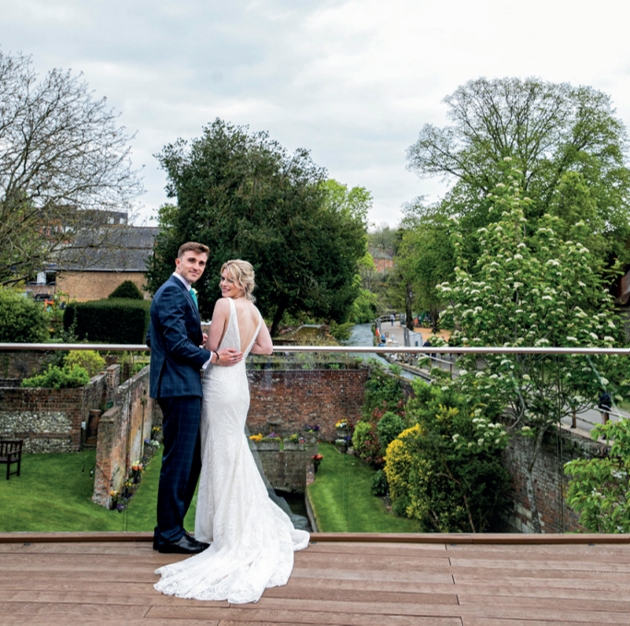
285, 464
283, 401
121, 434
48, 420
549, 480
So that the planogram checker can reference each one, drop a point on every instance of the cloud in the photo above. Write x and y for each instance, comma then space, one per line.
352, 81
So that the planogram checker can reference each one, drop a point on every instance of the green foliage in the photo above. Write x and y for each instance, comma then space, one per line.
55, 377
566, 143
90, 360
366, 444
365, 307
341, 332
127, 290
389, 427
426, 258
446, 470
21, 319
248, 198
531, 288
379, 483
599, 488
109, 321
383, 392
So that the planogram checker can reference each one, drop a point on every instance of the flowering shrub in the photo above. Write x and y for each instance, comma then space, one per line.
446, 470
257, 437
296, 438
366, 444
534, 284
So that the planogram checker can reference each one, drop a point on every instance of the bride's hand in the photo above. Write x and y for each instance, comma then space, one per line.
228, 357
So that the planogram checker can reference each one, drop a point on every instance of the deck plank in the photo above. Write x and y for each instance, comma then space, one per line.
344, 583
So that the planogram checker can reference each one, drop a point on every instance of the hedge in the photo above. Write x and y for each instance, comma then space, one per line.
108, 321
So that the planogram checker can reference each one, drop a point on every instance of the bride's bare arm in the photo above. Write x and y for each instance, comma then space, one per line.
263, 343
220, 318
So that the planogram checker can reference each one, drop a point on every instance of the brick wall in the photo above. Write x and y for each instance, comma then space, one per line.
121, 434
549, 480
23, 363
48, 420
83, 286
284, 401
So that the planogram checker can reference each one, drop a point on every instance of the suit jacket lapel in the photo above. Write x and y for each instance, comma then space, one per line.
188, 296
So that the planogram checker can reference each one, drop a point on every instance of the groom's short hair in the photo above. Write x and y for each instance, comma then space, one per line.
192, 246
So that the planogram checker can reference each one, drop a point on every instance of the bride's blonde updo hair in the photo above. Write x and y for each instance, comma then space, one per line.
242, 273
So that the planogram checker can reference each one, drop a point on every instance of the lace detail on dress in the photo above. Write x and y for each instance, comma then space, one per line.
253, 540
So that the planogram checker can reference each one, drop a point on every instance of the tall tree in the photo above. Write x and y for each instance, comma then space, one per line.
245, 196
61, 152
532, 289
560, 138
426, 256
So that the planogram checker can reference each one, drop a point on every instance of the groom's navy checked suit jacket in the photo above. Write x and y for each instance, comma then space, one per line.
174, 336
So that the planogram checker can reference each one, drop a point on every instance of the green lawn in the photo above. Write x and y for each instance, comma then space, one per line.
54, 493
342, 501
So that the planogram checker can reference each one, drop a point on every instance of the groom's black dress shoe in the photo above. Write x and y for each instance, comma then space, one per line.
184, 545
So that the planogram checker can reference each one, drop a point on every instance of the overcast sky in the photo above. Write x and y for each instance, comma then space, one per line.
353, 82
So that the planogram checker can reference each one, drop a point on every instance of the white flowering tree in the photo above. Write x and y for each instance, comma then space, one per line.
531, 289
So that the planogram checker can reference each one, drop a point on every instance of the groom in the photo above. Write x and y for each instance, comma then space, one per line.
175, 337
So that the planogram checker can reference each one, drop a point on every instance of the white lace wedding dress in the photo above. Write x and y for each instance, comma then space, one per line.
252, 539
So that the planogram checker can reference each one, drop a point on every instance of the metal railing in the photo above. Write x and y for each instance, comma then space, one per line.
43, 347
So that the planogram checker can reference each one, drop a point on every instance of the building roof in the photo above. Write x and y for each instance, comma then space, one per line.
111, 249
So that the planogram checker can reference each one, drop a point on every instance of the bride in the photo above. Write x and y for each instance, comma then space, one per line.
252, 539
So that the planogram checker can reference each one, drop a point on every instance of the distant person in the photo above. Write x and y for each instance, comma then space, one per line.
392, 318
428, 344
605, 401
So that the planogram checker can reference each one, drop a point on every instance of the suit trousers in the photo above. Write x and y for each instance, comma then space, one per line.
181, 464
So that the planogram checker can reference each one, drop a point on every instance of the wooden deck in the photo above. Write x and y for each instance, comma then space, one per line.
401, 580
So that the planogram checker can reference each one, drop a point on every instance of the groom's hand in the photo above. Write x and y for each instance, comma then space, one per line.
228, 357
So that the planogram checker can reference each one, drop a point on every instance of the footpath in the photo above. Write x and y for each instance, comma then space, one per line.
396, 335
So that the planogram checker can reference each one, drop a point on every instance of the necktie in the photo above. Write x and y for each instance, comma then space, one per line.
193, 295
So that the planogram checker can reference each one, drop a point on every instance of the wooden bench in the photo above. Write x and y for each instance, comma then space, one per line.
10, 453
